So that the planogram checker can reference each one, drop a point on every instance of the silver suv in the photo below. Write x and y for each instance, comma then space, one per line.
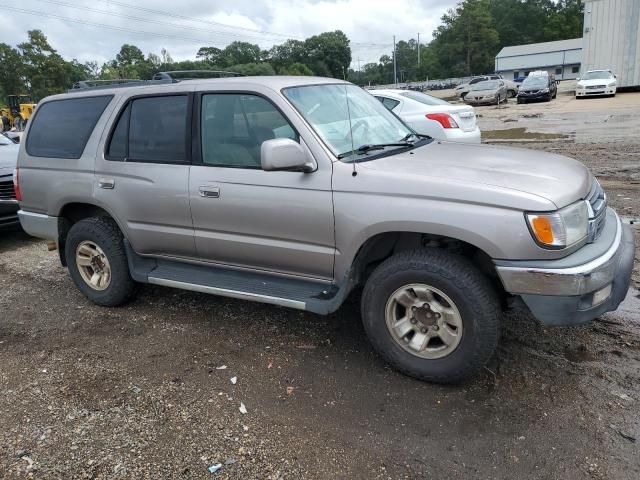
294, 191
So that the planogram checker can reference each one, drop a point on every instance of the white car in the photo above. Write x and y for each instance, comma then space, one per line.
432, 116
596, 82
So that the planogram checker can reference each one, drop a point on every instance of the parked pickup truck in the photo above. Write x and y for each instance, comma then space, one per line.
294, 191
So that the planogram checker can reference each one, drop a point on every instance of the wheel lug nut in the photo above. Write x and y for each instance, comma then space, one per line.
414, 321
436, 328
423, 330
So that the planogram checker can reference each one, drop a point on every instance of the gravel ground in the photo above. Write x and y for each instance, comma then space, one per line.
139, 392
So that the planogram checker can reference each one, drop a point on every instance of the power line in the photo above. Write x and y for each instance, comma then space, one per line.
147, 20
218, 24
111, 27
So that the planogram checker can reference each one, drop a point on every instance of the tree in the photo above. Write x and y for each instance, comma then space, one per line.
328, 54
12, 75
252, 69
296, 69
210, 54
241, 53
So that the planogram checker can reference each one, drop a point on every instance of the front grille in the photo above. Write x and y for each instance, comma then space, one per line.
6, 189
597, 201
592, 87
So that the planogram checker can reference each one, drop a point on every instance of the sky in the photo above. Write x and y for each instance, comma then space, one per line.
94, 30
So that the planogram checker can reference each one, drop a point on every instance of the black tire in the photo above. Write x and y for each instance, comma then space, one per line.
555, 95
469, 289
462, 95
104, 233
511, 93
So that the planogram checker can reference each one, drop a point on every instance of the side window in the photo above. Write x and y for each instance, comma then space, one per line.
390, 103
475, 80
61, 128
233, 127
151, 129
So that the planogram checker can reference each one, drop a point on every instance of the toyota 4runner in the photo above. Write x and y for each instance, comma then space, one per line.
294, 191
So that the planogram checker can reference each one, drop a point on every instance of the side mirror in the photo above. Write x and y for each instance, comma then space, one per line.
283, 154
577, 79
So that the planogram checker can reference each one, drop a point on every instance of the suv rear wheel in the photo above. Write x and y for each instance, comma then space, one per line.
432, 315
97, 261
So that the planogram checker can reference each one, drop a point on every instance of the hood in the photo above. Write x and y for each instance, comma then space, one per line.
511, 177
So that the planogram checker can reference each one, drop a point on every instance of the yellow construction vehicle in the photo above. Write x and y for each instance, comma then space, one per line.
19, 110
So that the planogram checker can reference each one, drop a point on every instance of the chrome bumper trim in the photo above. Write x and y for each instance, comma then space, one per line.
578, 280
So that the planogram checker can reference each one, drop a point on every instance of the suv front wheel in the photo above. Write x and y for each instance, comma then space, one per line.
432, 315
97, 261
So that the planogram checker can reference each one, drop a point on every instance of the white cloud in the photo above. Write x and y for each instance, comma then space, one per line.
100, 28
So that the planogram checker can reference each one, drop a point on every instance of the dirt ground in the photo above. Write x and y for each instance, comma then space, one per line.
140, 392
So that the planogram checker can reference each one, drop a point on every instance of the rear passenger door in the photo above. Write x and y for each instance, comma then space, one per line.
247, 217
142, 178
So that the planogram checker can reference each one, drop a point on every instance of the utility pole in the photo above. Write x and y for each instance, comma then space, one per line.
359, 71
418, 51
395, 76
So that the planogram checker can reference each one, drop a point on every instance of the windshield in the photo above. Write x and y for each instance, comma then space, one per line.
325, 108
596, 76
489, 85
536, 82
423, 98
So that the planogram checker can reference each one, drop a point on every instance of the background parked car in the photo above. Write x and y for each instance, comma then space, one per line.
463, 89
432, 116
8, 204
487, 92
596, 82
538, 87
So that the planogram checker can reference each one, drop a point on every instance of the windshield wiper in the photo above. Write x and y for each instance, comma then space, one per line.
375, 146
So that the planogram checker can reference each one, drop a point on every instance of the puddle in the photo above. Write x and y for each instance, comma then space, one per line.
520, 134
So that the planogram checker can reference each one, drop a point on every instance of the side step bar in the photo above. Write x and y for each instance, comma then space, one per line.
283, 291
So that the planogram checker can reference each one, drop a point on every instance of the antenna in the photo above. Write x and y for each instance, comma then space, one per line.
353, 148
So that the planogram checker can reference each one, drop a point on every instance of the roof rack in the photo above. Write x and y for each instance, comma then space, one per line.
158, 79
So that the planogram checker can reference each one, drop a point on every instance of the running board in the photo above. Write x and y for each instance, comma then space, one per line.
257, 287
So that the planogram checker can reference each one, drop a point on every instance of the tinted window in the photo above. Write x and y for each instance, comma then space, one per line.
234, 127
61, 128
158, 129
118, 146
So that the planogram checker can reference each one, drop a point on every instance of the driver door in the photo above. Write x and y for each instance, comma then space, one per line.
243, 216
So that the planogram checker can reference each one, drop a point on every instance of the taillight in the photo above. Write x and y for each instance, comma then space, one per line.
443, 119
16, 185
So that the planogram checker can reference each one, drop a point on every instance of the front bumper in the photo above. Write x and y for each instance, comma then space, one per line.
522, 97
9, 215
561, 292
588, 92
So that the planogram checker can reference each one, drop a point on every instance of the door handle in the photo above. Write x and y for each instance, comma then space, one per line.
208, 191
107, 183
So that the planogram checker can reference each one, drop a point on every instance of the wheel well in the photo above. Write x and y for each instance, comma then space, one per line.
380, 247
71, 214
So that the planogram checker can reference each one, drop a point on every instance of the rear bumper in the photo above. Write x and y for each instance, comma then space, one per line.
459, 135
9, 215
578, 293
39, 225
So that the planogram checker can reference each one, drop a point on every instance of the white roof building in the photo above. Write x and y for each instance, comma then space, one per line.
561, 58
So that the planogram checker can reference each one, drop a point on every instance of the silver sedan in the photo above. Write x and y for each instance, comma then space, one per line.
487, 92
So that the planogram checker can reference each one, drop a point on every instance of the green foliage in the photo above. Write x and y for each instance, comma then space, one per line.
470, 36
252, 69
296, 69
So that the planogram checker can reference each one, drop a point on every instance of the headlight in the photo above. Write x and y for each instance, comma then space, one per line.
612, 84
562, 228
545, 90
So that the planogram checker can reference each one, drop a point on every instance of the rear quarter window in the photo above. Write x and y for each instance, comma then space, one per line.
61, 128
